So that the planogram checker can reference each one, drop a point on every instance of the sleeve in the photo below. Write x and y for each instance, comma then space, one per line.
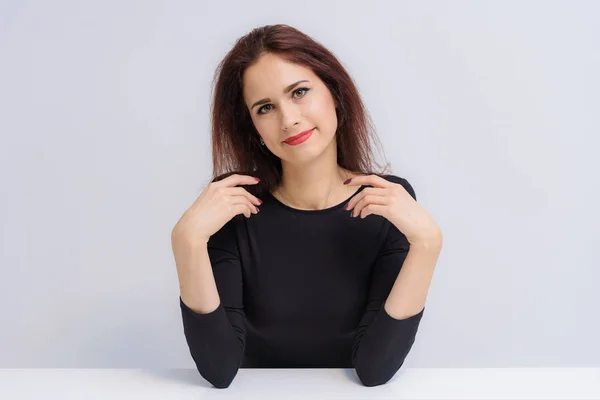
217, 340
382, 342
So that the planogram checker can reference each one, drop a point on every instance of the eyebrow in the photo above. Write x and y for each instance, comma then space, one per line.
287, 89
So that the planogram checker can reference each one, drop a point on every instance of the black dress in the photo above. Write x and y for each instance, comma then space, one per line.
303, 289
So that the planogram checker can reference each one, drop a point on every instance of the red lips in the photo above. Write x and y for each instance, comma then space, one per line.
294, 138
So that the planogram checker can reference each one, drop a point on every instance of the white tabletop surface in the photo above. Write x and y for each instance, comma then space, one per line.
408, 383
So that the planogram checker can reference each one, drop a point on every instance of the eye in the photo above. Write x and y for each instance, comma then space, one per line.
306, 90
260, 112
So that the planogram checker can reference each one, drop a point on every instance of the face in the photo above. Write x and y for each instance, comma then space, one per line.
282, 107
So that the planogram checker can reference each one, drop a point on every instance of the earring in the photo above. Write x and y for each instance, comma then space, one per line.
262, 142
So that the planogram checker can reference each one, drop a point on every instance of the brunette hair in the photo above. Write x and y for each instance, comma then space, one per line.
236, 144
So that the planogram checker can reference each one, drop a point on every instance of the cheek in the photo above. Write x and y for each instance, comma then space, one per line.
263, 125
322, 112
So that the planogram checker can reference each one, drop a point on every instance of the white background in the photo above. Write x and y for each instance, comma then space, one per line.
489, 109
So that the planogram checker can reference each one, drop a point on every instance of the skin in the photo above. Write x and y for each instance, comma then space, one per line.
312, 178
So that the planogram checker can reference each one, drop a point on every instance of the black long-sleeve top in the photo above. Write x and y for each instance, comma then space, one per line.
303, 289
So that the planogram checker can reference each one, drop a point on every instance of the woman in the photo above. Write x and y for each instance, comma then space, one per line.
307, 281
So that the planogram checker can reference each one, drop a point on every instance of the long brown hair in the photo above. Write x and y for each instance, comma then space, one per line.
236, 144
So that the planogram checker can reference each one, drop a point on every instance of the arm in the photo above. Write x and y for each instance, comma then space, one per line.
388, 328
211, 305
410, 289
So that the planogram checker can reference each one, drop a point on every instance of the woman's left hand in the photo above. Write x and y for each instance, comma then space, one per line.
392, 201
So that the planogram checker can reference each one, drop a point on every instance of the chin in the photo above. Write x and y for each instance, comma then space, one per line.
308, 154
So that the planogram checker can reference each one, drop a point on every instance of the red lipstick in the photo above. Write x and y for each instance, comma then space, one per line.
299, 138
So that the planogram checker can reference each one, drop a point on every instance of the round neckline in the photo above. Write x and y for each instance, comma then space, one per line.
324, 210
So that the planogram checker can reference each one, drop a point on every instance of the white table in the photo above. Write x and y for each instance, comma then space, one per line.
408, 383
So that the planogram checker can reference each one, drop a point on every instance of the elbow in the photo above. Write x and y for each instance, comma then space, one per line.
218, 372
221, 381
370, 375
220, 376
369, 379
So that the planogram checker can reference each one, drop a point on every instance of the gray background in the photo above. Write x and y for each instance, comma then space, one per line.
489, 109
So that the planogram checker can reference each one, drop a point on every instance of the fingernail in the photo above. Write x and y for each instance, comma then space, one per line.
347, 181
257, 209
259, 201
346, 206
257, 179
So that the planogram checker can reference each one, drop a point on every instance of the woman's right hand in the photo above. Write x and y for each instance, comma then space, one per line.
218, 203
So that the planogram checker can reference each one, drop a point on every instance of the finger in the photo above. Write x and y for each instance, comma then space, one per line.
243, 200
373, 180
241, 208
240, 191
237, 179
372, 209
363, 193
367, 200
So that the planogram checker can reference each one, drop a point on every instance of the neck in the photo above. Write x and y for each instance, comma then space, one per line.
316, 185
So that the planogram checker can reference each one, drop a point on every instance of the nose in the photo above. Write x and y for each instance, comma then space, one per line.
290, 117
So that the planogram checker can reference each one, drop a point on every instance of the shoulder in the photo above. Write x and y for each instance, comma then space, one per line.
402, 181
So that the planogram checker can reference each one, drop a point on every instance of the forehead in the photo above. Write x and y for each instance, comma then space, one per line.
270, 74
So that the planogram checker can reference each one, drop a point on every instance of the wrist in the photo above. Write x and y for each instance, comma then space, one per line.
430, 243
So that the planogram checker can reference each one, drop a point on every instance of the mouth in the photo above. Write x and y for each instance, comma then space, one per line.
299, 138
